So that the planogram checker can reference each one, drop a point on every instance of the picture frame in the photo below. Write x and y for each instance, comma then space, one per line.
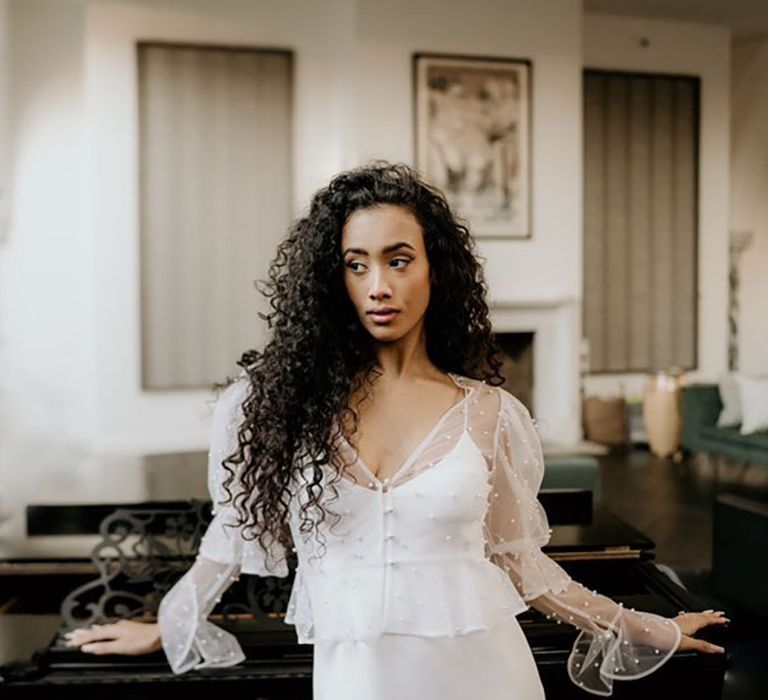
472, 126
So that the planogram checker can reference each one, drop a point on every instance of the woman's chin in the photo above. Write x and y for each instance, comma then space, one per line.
385, 332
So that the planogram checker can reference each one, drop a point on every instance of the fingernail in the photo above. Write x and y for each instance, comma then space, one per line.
708, 610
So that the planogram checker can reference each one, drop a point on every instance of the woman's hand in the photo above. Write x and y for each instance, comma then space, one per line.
121, 637
691, 622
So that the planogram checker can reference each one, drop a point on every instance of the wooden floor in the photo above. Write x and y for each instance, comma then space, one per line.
671, 503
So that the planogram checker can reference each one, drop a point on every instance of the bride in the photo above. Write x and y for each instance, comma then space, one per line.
380, 387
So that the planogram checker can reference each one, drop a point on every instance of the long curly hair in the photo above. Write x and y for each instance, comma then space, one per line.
319, 352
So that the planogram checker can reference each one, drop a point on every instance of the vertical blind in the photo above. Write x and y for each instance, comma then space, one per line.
640, 223
215, 200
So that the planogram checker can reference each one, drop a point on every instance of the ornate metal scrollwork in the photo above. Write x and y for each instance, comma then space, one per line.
141, 555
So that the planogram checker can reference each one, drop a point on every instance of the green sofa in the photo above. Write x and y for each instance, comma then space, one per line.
700, 407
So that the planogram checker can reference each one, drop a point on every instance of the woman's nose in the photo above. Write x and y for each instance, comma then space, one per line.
379, 284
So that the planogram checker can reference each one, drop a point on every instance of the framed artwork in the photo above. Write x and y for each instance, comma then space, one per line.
472, 126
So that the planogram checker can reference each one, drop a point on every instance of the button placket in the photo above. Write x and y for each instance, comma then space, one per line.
387, 523
388, 535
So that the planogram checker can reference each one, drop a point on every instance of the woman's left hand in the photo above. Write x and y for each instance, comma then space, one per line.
691, 622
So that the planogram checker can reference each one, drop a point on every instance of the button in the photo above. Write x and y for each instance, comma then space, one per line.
389, 509
389, 535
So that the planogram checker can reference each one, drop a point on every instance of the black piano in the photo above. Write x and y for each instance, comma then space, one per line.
43, 599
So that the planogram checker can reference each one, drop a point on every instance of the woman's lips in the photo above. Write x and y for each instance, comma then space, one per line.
385, 317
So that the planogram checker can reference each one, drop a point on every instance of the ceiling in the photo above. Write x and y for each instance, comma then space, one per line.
744, 17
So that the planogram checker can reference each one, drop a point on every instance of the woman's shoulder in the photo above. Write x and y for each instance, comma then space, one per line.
493, 395
228, 397
485, 398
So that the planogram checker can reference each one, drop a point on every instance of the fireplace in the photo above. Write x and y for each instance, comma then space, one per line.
542, 340
518, 349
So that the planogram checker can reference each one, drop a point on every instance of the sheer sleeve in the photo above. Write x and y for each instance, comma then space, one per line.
614, 642
188, 639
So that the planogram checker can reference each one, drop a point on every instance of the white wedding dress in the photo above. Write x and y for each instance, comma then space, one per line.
414, 593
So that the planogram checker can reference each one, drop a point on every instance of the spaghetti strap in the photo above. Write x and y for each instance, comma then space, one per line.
467, 391
462, 382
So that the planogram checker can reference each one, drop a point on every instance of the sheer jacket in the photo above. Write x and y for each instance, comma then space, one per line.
449, 544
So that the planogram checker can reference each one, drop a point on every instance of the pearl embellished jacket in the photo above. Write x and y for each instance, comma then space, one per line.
449, 544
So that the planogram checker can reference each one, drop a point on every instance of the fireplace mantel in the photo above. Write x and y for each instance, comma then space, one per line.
555, 321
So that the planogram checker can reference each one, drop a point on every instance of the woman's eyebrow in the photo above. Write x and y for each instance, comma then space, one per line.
386, 249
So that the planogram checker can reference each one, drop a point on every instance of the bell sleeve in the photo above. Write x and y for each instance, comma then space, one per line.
189, 640
614, 643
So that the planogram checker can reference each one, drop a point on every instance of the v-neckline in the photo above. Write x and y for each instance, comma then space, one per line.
414, 453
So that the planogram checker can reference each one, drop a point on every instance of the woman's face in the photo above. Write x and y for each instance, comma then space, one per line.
385, 265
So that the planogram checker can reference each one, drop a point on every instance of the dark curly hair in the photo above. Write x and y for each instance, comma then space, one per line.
319, 352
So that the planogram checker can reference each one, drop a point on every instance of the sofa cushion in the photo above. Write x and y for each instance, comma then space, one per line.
753, 392
730, 414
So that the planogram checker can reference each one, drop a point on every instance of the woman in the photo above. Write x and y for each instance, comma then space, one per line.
371, 437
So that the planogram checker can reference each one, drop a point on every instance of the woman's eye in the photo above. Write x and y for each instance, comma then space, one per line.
352, 263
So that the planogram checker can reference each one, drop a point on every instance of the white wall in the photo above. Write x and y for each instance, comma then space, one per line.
127, 418
45, 296
749, 195
691, 49
546, 31
547, 268
73, 420
5, 170
73, 414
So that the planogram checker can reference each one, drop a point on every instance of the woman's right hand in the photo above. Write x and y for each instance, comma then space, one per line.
121, 637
